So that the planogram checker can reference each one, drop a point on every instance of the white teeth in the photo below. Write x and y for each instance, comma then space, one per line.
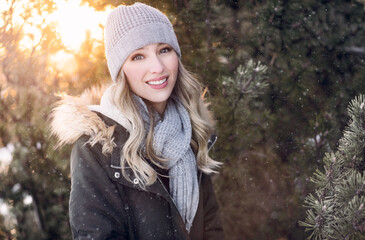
157, 82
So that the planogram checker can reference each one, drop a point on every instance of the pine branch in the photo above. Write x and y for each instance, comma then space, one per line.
337, 210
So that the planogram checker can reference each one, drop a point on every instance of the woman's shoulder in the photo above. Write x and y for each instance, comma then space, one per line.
72, 118
104, 141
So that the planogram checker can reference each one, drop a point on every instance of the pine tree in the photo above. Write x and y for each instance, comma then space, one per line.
336, 209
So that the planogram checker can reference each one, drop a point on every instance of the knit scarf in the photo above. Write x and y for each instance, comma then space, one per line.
171, 140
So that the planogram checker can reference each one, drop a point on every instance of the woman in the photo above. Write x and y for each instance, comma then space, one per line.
140, 159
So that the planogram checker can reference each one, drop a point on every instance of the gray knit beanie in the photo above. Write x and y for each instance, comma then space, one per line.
129, 28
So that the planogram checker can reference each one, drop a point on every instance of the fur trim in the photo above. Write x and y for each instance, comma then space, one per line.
71, 119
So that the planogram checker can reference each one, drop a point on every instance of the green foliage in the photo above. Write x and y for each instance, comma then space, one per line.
310, 46
36, 170
238, 104
336, 211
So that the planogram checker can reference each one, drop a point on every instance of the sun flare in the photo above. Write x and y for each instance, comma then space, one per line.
73, 20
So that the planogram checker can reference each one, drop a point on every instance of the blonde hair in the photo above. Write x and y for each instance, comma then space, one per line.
188, 90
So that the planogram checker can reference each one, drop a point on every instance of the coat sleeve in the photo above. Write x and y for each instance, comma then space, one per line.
212, 220
96, 211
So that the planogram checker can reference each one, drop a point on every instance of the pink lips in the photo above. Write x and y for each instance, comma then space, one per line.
159, 86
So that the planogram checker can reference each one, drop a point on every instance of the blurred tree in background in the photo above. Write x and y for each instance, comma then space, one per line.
272, 133
36, 183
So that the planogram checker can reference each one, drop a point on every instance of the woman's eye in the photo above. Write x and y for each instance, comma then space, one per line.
165, 50
137, 57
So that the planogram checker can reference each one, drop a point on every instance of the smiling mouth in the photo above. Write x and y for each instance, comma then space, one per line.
159, 82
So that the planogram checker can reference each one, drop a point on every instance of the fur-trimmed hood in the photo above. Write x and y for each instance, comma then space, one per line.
76, 116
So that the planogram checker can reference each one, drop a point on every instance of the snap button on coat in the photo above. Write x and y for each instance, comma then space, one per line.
117, 174
136, 181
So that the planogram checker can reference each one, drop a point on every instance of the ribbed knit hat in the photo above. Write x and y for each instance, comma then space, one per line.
129, 28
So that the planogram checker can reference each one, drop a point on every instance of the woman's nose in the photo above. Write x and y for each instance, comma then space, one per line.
157, 65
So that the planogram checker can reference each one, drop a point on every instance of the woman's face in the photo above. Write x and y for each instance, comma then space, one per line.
151, 73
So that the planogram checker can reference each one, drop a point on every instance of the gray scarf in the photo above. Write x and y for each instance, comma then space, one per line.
172, 136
